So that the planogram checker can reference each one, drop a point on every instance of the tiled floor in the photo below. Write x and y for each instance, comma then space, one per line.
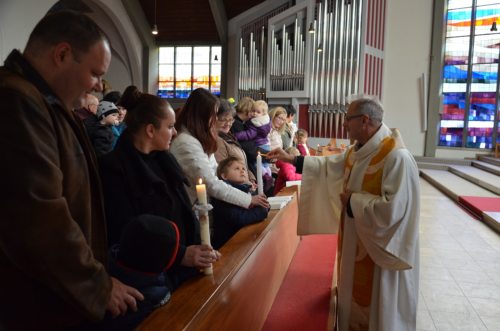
459, 267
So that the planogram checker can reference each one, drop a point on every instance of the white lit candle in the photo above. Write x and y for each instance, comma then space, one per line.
260, 184
201, 193
205, 235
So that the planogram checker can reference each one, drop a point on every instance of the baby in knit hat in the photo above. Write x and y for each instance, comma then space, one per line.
101, 132
148, 247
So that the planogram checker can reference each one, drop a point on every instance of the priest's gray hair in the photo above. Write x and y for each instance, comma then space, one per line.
368, 105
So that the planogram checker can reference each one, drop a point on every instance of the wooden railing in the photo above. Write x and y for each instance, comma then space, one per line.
240, 293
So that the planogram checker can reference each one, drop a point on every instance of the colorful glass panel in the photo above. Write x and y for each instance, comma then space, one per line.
470, 79
458, 23
166, 89
484, 79
182, 69
166, 72
215, 78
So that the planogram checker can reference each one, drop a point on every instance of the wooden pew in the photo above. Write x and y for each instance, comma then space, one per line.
241, 291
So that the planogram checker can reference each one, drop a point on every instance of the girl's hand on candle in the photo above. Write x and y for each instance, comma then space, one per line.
200, 256
259, 200
254, 186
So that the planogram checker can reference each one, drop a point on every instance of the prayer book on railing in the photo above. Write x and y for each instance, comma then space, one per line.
279, 202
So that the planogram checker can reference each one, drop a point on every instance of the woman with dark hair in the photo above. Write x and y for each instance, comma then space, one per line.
227, 145
140, 176
195, 146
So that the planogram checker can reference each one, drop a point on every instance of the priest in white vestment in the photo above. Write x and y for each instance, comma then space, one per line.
370, 196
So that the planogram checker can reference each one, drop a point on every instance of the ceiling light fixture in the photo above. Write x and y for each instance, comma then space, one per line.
155, 27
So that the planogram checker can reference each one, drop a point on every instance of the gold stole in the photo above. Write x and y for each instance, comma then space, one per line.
364, 266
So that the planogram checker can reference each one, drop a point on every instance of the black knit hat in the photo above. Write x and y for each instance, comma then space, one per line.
149, 243
105, 108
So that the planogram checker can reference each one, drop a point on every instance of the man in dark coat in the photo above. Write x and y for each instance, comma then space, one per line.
52, 229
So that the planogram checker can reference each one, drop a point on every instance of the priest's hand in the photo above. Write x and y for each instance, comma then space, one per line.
280, 154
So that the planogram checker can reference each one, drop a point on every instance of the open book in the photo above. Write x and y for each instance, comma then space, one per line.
279, 202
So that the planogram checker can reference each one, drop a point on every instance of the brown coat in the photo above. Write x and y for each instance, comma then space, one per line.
52, 228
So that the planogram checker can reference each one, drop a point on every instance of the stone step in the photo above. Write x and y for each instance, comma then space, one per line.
478, 176
454, 185
480, 173
489, 167
489, 159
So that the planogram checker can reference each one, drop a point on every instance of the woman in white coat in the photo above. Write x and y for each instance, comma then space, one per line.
194, 149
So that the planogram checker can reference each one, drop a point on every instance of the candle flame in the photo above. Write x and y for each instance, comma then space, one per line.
200, 181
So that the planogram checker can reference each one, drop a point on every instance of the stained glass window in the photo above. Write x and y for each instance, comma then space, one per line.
470, 75
185, 68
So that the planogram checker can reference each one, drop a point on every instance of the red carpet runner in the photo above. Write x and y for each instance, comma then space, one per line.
303, 300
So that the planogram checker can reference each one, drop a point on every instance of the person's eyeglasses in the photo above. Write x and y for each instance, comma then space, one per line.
226, 120
281, 119
348, 118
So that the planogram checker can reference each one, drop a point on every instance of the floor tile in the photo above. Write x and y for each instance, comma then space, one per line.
486, 307
466, 321
492, 323
459, 267
424, 320
448, 303
480, 290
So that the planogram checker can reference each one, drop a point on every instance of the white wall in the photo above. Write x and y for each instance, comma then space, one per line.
126, 64
17, 19
407, 56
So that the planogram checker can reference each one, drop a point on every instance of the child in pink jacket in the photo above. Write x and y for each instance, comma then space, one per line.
286, 171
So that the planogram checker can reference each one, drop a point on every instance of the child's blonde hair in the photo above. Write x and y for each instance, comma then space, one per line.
292, 151
262, 105
301, 133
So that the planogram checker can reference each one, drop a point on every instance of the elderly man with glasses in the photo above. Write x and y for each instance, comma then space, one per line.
370, 196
